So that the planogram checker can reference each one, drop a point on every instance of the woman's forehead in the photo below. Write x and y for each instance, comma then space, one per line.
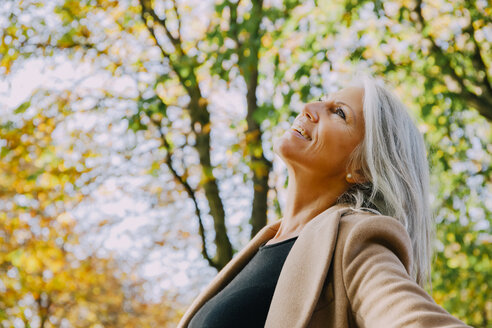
352, 95
349, 92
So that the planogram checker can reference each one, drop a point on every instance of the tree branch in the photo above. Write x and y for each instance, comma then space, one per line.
479, 61
260, 165
44, 311
147, 10
189, 190
151, 30
482, 104
184, 67
178, 17
233, 24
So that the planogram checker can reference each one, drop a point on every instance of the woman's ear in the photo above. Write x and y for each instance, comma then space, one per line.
356, 176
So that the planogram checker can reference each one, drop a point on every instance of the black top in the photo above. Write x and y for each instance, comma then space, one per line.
245, 301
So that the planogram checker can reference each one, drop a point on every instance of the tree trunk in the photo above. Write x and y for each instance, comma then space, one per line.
260, 165
199, 114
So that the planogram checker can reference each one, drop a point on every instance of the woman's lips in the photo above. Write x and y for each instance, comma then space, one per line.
298, 134
299, 127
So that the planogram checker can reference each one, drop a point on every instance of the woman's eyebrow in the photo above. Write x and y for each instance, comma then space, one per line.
337, 102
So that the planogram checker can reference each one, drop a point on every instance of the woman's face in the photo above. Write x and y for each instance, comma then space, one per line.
333, 127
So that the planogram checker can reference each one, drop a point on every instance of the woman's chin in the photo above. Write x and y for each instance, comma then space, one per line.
286, 149
276, 150
280, 145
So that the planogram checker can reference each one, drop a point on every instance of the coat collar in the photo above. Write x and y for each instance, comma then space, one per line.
305, 270
302, 275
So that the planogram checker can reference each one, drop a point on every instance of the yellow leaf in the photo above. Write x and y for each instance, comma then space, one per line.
31, 264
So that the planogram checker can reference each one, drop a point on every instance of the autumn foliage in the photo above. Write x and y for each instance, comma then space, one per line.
169, 109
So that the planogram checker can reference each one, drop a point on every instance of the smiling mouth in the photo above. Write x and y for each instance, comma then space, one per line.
302, 133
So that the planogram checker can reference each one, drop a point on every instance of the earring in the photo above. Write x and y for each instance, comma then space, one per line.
349, 176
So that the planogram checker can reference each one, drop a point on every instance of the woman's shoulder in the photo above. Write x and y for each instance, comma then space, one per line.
370, 220
362, 229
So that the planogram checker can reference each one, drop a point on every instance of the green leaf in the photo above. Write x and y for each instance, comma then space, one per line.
22, 107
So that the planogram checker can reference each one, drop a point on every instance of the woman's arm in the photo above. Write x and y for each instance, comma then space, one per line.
376, 259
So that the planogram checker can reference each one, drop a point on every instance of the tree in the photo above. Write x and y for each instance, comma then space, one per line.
449, 48
47, 277
239, 44
183, 62
274, 57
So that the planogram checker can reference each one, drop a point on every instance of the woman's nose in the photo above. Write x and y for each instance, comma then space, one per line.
309, 111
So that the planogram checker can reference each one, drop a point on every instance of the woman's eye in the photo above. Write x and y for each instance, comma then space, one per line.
339, 111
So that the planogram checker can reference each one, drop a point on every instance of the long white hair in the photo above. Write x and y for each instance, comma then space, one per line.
392, 157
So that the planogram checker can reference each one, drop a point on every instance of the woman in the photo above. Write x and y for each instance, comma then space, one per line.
354, 245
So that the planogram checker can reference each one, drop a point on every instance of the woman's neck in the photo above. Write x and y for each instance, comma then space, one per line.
306, 198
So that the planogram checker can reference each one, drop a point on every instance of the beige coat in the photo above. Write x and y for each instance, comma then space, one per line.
346, 269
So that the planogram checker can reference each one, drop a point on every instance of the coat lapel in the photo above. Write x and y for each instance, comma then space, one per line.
301, 279
230, 271
304, 272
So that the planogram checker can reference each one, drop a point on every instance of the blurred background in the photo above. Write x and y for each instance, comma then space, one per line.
136, 141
